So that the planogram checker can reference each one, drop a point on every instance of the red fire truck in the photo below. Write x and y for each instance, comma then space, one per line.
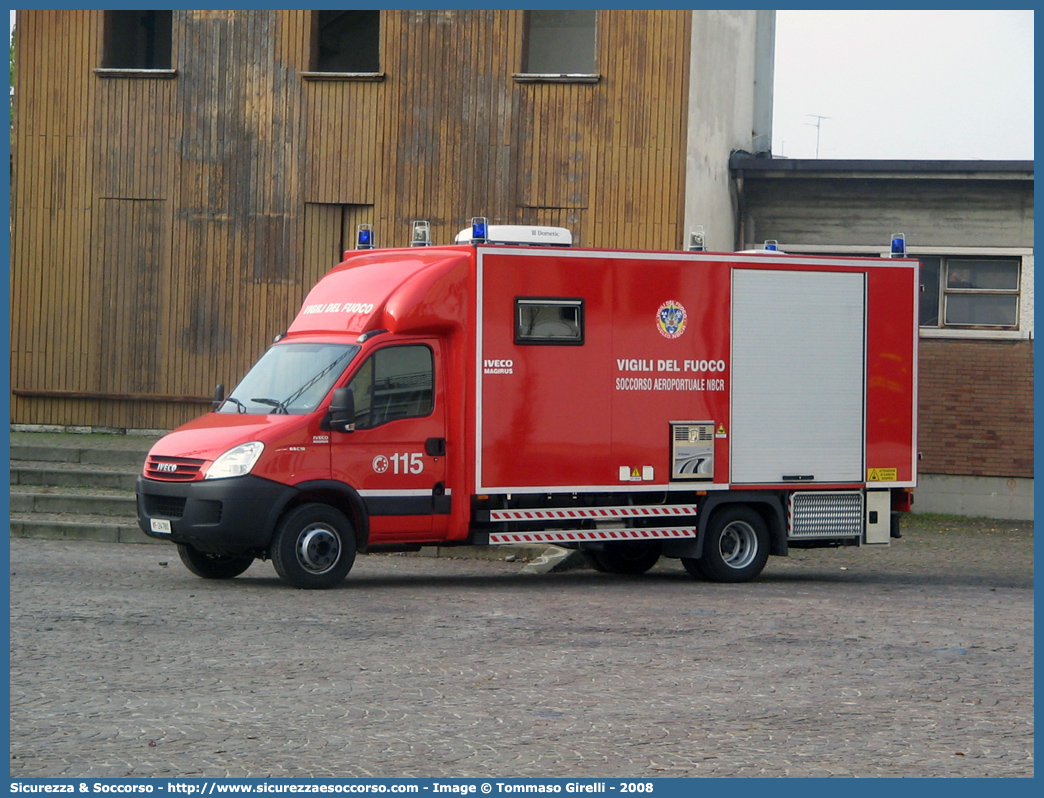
512, 389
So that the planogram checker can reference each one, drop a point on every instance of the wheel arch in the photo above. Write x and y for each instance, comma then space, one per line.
766, 504
336, 494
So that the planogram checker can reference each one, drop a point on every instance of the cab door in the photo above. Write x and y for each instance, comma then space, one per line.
396, 456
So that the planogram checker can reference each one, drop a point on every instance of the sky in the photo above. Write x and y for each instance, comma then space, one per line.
936, 85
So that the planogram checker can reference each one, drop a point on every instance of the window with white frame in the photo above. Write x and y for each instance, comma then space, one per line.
970, 292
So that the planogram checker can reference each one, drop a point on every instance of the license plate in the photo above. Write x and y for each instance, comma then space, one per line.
161, 525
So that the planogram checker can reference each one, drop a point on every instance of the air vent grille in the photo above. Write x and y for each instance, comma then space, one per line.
826, 514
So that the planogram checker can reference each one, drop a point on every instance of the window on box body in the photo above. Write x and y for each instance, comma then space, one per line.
549, 321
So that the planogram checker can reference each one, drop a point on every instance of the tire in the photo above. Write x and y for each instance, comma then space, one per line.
591, 558
736, 547
314, 547
692, 565
213, 566
630, 558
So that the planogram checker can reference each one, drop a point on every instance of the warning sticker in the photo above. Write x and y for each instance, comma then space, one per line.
882, 474
721, 432
637, 474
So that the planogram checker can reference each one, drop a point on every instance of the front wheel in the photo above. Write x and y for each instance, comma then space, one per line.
736, 547
213, 566
314, 547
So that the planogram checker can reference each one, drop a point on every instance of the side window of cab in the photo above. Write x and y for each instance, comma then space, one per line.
395, 382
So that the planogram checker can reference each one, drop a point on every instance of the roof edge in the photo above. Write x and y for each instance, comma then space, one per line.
746, 162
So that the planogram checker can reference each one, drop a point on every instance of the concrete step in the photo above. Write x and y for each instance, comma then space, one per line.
71, 475
72, 486
77, 527
75, 501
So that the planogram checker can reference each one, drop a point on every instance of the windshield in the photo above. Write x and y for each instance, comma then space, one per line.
290, 379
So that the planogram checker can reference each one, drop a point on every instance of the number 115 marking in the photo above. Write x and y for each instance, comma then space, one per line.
407, 463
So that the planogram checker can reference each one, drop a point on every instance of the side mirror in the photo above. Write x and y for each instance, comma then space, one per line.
219, 395
341, 416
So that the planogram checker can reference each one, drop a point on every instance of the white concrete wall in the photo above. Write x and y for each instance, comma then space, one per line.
726, 111
984, 497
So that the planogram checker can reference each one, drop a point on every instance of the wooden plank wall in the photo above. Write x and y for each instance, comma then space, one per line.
165, 229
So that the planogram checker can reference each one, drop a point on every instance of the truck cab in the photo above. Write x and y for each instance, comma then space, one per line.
336, 441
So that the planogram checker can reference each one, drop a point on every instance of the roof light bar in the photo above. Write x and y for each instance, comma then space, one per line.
898, 249
697, 239
364, 237
421, 234
518, 234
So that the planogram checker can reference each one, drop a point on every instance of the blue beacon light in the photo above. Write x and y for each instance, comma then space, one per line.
898, 249
364, 240
479, 227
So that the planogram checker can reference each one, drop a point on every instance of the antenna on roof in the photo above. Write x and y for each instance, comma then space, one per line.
817, 125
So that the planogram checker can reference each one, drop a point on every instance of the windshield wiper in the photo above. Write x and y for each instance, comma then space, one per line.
279, 406
241, 408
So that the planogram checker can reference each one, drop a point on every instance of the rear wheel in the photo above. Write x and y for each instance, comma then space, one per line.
314, 547
631, 557
736, 547
692, 566
591, 558
213, 566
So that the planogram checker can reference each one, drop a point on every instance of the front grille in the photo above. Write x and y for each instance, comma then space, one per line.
164, 506
172, 469
826, 514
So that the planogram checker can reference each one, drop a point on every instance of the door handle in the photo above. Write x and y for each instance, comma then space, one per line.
435, 447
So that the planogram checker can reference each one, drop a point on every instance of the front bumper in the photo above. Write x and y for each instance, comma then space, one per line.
221, 516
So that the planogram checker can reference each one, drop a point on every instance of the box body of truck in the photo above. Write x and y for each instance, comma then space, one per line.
711, 407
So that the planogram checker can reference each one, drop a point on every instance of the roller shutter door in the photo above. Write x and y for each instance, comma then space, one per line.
798, 372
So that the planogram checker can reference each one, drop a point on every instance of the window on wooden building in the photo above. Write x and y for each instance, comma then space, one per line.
963, 292
346, 41
560, 42
137, 40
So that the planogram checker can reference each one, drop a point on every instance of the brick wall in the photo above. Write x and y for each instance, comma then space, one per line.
976, 408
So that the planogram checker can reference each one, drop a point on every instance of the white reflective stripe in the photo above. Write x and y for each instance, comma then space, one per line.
400, 493
580, 536
566, 513
616, 487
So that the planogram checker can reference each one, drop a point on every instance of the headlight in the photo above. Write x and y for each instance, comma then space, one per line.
236, 462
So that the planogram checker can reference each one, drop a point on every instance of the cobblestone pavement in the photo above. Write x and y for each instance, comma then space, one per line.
912, 661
